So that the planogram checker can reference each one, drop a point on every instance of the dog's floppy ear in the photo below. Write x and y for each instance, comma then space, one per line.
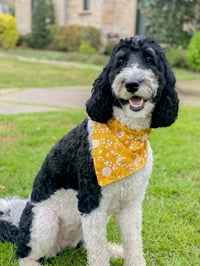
99, 105
166, 109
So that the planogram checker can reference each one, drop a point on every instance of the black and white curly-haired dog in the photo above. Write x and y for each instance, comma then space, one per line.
69, 204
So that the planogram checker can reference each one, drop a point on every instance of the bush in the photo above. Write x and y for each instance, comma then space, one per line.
8, 31
86, 48
42, 18
65, 38
69, 38
193, 52
24, 40
170, 21
92, 36
109, 47
177, 56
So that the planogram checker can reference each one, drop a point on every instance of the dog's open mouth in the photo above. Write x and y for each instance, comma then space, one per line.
136, 103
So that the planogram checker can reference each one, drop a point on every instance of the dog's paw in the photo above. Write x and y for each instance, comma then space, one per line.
115, 250
28, 262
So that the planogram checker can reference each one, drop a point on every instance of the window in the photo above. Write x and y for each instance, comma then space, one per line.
86, 4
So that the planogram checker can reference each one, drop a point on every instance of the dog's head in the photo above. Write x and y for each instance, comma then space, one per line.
139, 82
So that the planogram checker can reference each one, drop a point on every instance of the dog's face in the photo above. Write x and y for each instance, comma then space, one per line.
138, 81
135, 76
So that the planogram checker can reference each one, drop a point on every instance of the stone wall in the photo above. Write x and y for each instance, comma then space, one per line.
119, 18
91, 17
23, 15
113, 17
60, 7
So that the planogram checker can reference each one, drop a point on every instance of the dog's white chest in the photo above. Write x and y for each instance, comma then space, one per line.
129, 189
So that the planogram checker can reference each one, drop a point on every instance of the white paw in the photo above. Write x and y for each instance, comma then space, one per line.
28, 262
115, 250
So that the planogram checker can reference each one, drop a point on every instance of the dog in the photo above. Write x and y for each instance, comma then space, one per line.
100, 168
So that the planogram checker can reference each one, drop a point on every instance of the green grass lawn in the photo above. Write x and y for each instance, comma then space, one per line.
171, 229
184, 74
21, 74
96, 59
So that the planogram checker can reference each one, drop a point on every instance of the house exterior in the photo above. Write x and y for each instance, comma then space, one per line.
115, 18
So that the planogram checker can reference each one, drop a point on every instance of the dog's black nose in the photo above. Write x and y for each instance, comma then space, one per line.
132, 86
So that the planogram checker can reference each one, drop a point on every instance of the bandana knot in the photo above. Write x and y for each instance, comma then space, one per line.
117, 151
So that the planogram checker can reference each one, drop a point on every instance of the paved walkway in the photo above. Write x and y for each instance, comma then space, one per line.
189, 92
16, 101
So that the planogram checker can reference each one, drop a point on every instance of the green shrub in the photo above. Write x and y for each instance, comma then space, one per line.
42, 18
176, 56
86, 48
8, 31
92, 36
193, 52
65, 38
69, 38
58, 38
109, 48
24, 40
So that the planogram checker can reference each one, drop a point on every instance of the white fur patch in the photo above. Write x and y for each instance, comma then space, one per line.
11, 209
56, 224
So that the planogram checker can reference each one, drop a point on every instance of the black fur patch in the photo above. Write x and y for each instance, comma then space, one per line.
69, 165
8, 232
24, 232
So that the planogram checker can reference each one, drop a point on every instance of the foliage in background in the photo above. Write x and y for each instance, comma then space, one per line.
109, 47
92, 36
69, 38
8, 31
176, 56
86, 48
172, 22
42, 18
24, 40
193, 52
65, 38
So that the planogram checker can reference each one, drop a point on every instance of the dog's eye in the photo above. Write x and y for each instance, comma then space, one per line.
120, 61
149, 58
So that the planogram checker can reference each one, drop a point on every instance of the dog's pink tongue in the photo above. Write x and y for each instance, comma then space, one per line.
136, 102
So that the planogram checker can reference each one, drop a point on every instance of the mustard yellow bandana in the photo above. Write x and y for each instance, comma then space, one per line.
117, 151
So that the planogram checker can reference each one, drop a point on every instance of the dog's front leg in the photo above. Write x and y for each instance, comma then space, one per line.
130, 223
94, 231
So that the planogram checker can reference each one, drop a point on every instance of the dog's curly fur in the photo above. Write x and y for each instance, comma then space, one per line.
67, 206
